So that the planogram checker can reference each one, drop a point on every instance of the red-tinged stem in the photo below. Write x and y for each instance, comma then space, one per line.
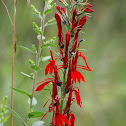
63, 91
13, 56
37, 58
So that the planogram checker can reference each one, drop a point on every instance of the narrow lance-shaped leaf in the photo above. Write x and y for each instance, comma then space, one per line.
22, 92
16, 115
27, 75
27, 49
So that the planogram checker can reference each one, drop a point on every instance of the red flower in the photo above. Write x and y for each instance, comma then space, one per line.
60, 30
80, 25
72, 120
66, 47
73, 19
60, 10
63, 9
78, 98
88, 10
44, 83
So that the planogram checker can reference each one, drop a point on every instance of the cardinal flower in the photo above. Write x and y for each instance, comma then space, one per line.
73, 19
80, 25
60, 30
87, 8
77, 94
66, 47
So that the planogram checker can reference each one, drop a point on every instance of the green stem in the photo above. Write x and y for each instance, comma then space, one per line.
63, 91
37, 59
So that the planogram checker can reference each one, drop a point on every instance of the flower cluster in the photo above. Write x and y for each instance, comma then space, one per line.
74, 19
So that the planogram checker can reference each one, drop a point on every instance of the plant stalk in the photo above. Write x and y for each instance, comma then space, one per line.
13, 57
37, 59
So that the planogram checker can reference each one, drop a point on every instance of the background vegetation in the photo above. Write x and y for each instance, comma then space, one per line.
103, 94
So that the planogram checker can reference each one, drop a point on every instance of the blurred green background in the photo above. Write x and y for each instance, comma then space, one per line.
103, 94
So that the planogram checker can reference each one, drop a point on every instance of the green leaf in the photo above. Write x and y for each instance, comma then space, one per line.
27, 49
27, 75
38, 16
34, 48
46, 58
35, 114
35, 67
46, 45
48, 11
22, 92
37, 31
16, 115
31, 62
35, 10
3, 120
48, 24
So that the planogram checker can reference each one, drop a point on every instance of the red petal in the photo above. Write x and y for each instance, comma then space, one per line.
73, 76
40, 87
47, 68
72, 120
81, 76
65, 120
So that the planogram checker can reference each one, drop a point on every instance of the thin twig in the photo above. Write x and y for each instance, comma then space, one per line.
13, 56
7, 12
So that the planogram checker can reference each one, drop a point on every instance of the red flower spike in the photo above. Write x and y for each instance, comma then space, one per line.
60, 30
66, 47
73, 19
